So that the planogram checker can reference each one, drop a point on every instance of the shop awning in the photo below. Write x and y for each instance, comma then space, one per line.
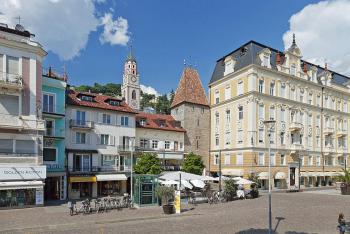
111, 177
263, 175
75, 179
21, 185
280, 175
232, 172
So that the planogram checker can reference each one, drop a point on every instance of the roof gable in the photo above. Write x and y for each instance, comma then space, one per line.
158, 122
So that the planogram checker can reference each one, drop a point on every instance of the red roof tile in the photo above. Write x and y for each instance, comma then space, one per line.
190, 89
154, 121
99, 101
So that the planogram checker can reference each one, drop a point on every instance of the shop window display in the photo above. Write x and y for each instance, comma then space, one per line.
17, 198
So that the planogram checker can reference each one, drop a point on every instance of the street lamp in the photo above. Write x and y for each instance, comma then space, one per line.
269, 125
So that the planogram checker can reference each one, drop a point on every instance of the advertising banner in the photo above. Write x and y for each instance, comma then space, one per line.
23, 173
39, 197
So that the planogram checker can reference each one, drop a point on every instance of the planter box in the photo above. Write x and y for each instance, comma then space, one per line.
345, 189
168, 209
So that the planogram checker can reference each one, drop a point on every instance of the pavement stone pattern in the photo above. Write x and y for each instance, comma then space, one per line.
297, 213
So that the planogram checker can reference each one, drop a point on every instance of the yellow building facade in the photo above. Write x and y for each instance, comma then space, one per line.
309, 140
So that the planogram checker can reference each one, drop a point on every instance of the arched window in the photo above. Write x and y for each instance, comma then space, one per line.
133, 95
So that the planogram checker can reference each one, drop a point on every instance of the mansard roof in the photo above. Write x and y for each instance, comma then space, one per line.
190, 89
247, 54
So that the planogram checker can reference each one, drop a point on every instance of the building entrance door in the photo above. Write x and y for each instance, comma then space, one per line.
292, 176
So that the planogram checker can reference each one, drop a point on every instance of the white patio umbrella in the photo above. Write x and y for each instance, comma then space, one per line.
169, 182
198, 183
186, 184
184, 176
243, 181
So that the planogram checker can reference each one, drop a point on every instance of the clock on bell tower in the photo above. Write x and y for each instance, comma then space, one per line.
131, 82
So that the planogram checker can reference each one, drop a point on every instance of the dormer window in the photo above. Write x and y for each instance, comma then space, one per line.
293, 70
142, 122
161, 123
265, 56
229, 65
266, 60
86, 98
114, 103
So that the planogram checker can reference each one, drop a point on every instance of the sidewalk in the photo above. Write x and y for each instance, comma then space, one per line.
305, 189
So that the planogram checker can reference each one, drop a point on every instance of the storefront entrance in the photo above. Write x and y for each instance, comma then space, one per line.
292, 176
106, 188
17, 198
52, 188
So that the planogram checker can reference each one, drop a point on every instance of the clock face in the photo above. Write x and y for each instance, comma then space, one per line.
133, 79
134, 104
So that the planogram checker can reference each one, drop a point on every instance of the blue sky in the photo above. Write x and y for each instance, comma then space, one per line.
164, 33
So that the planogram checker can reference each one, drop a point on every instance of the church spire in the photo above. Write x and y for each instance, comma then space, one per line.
130, 56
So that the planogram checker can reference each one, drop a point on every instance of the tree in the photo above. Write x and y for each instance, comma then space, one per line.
147, 100
230, 189
193, 164
172, 95
109, 89
148, 163
163, 105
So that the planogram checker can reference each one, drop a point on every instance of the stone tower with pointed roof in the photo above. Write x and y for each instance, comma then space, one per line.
191, 107
131, 82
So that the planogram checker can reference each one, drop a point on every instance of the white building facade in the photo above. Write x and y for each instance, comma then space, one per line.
21, 125
99, 134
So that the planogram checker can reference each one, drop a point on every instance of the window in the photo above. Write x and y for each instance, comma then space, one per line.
81, 118
301, 95
9, 104
283, 90
80, 137
167, 144
292, 94
216, 159
49, 155
239, 159
282, 137
144, 143
318, 161
302, 160
106, 118
240, 112
217, 140
104, 139
202, 110
25, 147
283, 115
109, 160
310, 160
345, 107
154, 144
217, 121
261, 112
6, 146
310, 99
48, 103
227, 138
125, 121
309, 141
272, 89
318, 100
12, 65
318, 121
266, 60
228, 120
142, 122
227, 159
261, 86
133, 95
272, 113
293, 70
273, 159
240, 88
283, 160
240, 136
227, 92
86, 98
217, 97
261, 135
114, 103
272, 137
261, 160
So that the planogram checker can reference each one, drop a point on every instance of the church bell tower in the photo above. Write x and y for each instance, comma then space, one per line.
131, 82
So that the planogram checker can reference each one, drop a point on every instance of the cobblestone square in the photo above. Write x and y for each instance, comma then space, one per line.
307, 212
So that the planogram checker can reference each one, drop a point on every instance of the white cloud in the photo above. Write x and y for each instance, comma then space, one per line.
115, 32
61, 26
322, 33
149, 90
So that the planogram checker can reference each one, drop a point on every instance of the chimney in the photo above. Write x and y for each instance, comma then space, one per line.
326, 66
278, 58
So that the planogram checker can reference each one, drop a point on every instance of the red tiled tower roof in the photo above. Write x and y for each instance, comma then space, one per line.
190, 89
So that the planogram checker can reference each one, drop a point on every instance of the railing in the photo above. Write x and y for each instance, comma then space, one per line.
73, 123
295, 126
17, 155
328, 149
94, 169
52, 132
342, 149
172, 168
10, 79
328, 130
296, 146
54, 109
147, 148
341, 132
125, 148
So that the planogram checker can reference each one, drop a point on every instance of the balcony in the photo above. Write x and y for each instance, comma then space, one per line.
80, 124
296, 147
328, 149
341, 132
11, 81
95, 169
19, 122
295, 126
54, 133
342, 150
54, 110
328, 130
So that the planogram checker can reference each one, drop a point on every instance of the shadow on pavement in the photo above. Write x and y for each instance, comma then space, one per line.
265, 231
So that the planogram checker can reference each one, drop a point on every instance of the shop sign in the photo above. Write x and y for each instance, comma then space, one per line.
23, 173
177, 202
39, 196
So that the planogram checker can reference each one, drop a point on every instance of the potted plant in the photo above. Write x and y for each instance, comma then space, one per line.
166, 194
345, 179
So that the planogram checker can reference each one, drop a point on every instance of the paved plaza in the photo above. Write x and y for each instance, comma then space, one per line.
307, 212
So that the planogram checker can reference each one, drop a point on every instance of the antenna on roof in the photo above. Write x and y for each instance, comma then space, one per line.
19, 19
